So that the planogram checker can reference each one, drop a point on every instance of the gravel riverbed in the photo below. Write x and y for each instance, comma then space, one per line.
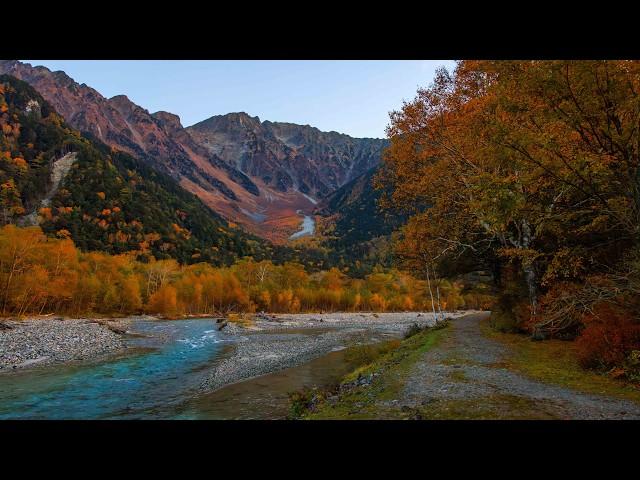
288, 340
271, 343
36, 342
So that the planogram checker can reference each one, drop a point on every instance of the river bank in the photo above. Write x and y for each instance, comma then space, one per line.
45, 341
267, 344
466, 371
274, 343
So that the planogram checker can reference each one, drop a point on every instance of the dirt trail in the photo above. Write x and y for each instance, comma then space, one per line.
465, 367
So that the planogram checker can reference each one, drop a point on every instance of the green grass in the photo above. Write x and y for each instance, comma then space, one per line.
555, 362
393, 368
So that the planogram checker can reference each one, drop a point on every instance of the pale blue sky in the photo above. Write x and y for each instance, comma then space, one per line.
352, 97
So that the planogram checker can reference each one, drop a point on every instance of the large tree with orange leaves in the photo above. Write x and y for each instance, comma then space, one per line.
532, 162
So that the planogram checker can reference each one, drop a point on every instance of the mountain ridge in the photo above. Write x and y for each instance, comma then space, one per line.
107, 200
257, 174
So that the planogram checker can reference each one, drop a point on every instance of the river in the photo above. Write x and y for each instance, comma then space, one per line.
307, 228
158, 378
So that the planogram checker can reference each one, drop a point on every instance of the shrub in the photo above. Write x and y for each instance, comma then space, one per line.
509, 314
301, 402
632, 366
609, 338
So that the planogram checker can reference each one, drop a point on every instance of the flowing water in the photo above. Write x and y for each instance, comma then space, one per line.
159, 378
163, 367
307, 228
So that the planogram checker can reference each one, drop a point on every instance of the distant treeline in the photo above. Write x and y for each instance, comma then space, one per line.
39, 275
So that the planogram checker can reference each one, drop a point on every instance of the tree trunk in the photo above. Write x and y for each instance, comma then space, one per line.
530, 279
529, 270
433, 305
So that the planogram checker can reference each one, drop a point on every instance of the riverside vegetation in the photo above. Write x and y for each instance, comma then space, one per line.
532, 170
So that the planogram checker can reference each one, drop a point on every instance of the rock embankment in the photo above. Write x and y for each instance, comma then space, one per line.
39, 342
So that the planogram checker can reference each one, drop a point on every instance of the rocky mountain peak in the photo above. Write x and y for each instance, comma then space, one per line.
287, 156
168, 120
239, 122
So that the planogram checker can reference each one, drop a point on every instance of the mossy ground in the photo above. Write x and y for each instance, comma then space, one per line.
555, 362
376, 400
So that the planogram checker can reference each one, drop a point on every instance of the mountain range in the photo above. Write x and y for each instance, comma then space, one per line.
74, 186
259, 174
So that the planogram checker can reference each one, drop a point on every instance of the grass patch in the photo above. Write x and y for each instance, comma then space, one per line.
388, 372
555, 362
458, 376
494, 407
363, 355
244, 320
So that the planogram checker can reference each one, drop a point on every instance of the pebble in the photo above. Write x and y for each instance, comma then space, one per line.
37, 342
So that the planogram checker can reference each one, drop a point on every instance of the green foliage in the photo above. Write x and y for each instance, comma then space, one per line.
359, 236
301, 402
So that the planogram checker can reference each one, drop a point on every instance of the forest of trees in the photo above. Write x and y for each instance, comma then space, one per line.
531, 169
40, 275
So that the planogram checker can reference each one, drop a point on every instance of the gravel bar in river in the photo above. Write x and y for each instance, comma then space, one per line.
32, 342
286, 340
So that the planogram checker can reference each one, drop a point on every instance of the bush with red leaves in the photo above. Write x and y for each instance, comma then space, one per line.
609, 337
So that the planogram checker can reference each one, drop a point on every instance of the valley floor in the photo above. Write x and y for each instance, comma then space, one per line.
271, 343
462, 371
465, 371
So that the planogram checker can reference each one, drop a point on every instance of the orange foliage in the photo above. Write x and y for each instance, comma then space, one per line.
40, 275
164, 301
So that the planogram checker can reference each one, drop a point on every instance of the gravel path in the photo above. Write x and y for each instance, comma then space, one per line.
288, 340
464, 366
38, 342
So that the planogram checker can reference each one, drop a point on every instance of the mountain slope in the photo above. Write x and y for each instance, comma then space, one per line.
257, 174
108, 200
354, 228
158, 139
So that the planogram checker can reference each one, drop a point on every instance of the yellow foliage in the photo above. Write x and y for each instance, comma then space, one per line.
40, 274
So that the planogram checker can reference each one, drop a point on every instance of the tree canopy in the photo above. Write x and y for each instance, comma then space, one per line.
530, 165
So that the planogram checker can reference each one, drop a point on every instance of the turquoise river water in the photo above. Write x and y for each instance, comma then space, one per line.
157, 378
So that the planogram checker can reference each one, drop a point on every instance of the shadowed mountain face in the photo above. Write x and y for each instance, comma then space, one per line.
257, 174
357, 231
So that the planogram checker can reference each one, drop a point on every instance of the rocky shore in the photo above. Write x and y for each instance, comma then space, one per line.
276, 342
269, 343
32, 342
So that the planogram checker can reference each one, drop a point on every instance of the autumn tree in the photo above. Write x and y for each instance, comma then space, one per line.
532, 164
